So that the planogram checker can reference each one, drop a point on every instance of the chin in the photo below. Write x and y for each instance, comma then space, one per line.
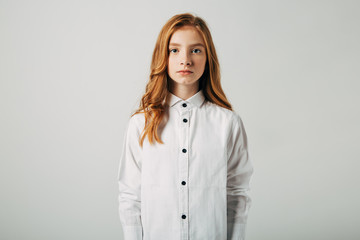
185, 81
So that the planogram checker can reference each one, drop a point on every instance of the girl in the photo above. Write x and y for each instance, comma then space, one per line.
189, 179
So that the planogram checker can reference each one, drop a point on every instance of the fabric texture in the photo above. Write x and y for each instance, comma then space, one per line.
192, 187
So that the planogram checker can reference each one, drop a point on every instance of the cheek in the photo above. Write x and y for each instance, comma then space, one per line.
202, 62
170, 63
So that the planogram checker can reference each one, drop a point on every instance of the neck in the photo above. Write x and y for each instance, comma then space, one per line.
183, 91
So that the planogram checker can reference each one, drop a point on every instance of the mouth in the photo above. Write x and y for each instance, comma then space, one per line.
185, 72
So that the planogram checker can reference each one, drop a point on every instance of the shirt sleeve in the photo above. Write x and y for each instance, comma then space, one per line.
129, 181
239, 172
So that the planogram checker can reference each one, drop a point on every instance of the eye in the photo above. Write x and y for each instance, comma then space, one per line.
171, 50
197, 50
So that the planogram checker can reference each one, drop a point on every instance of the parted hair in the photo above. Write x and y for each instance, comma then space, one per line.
154, 102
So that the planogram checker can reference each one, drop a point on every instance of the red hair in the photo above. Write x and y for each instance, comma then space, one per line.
154, 102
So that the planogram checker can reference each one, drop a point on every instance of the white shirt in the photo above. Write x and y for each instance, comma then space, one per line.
192, 187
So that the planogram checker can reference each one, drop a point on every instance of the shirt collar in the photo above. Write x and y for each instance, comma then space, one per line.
197, 99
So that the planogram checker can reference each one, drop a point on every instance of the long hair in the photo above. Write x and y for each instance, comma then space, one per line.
154, 102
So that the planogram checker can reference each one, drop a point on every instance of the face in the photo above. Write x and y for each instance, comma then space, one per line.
187, 56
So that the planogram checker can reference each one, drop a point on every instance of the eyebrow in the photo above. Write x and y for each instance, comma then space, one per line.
191, 45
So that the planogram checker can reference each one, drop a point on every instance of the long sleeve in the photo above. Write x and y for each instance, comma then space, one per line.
129, 180
239, 172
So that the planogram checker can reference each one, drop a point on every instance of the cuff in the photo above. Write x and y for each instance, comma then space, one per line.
236, 231
132, 232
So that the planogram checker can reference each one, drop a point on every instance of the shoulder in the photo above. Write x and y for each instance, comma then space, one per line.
229, 116
138, 118
136, 122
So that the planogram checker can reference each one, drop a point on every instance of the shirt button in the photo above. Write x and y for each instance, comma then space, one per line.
183, 182
184, 150
183, 216
184, 105
185, 120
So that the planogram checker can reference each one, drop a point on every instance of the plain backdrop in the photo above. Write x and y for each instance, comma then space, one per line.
73, 71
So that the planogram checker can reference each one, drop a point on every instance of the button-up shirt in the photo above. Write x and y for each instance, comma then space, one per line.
192, 187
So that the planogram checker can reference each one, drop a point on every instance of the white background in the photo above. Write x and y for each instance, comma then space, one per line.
72, 72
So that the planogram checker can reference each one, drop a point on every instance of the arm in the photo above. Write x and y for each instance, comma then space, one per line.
240, 170
129, 180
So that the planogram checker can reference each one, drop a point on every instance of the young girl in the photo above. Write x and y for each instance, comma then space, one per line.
189, 179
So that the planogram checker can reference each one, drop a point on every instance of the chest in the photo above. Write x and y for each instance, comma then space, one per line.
195, 146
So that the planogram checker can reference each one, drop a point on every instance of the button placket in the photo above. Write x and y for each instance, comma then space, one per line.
183, 169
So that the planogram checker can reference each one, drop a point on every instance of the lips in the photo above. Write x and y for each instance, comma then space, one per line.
185, 72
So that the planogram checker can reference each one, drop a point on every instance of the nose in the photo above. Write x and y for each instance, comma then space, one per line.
185, 59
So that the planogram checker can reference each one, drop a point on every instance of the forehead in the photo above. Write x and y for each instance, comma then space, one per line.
186, 34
